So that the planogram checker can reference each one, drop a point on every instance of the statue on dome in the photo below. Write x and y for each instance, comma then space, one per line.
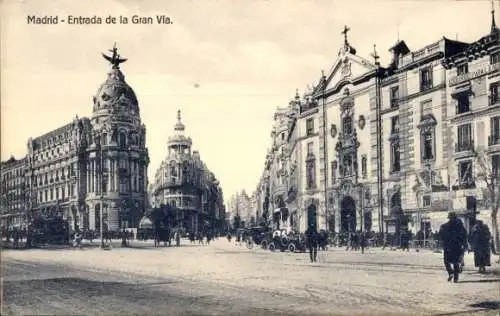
114, 59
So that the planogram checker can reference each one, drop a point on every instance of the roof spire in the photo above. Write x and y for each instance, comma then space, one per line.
375, 55
346, 29
493, 24
179, 126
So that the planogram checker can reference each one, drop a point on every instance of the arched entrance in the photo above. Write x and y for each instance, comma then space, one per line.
348, 214
311, 217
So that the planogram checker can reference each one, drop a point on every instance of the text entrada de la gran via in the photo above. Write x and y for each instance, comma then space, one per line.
110, 19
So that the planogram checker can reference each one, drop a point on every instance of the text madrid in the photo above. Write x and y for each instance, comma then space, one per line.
71, 19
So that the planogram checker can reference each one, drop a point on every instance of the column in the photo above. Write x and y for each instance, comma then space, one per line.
117, 182
337, 217
113, 219
88, 176
92, 171
111, 177
92, 217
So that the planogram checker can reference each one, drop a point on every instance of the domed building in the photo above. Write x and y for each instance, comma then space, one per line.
117, 156
185, 190
90, 164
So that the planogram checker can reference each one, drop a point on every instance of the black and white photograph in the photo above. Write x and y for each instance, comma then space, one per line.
260, 157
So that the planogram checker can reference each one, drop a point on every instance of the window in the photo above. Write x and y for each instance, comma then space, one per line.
462, 69
495, 165
427, 145
364, 170
395, 157
426, 201
282, 136
395, 125
464, 133
494, 93
465, 172
394, 96
463, 104
495, 58
347, 126
334, 171
425, 79
123, 140
104, 139
310, 149
426, 108
123, 185
494, 138
309, 126
310, 174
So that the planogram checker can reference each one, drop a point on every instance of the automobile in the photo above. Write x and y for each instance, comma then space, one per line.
290, 241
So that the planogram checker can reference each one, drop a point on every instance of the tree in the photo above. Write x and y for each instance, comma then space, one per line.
489, 174
236, 222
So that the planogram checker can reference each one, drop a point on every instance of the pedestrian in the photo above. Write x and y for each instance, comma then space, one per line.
312, 243
454, 239
177, 239
480, 237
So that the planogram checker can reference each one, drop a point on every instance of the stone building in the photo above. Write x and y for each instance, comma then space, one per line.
13, 193
370, 147
241, 206
92, 164
474, 122
187, 191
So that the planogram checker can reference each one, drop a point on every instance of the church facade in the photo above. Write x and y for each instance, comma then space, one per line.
90, 165
379, 148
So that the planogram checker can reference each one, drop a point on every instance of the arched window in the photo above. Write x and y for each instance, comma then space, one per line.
123, 140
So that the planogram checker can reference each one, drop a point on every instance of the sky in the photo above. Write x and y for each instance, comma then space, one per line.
227, 65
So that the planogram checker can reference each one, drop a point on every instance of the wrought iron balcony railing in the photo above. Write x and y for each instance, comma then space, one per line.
464, 146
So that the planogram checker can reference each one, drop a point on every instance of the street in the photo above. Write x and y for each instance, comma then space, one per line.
227, 279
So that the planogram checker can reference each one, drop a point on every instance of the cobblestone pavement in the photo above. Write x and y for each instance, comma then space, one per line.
226, 279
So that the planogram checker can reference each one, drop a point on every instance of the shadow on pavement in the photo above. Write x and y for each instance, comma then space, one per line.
481, 307
481, 281
492, 305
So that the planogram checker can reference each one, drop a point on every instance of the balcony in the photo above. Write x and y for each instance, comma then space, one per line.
464, 146
467, 184
493, 140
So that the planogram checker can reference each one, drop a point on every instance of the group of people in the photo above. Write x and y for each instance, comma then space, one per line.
455, 241
199, 237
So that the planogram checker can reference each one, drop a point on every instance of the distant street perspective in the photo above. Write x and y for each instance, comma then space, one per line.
227, 278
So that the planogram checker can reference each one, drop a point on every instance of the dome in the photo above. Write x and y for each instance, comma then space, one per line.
115, 95
179, 138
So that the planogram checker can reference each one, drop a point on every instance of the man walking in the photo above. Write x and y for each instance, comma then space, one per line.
454, 239
312, 243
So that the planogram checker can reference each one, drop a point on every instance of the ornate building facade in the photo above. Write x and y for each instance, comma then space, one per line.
13, 192
370, 147
186, 189
92, 165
